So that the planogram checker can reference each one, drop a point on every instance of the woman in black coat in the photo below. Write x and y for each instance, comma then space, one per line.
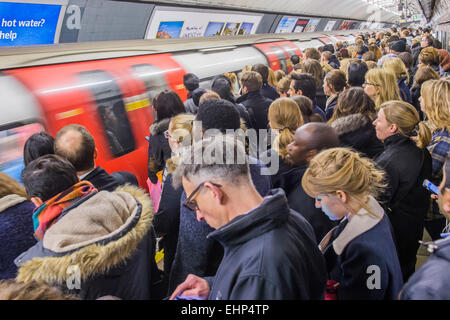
166, 104
352, 121
407, 164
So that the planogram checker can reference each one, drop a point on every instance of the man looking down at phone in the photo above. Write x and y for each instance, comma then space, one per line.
269, 250
432, 280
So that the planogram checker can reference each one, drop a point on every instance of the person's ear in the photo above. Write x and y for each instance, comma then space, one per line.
311, 154
95, 154
216, 192
37, 201
342, 196
393, 128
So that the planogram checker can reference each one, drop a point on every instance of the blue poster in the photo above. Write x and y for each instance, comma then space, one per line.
27, 23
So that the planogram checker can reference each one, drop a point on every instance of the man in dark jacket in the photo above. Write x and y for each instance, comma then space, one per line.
90, 243
270, 250
266, 89
303, 84
76, 144
432, 280
308, 141
334, 62
253, 100
191, 82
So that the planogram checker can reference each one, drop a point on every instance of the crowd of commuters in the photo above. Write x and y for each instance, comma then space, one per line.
332, 204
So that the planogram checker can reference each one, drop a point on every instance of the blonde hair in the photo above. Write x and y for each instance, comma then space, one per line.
284, 115
407, 120
344, 65
314, 68
344, 169
397, 67
12, 290
271, 78
284, 85
279, 74
10, 186
429, 56
209, 94
436, 98
234, 82
181, 128
387, 85
371, 65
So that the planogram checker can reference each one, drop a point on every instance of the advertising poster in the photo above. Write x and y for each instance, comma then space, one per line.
286, 25
214, 29
169, 29
312, 25
28, 23
300, 25
246, 28
330, 25
345, 25
165, 23
231, 29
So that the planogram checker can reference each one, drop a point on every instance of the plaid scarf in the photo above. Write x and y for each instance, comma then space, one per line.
47, 214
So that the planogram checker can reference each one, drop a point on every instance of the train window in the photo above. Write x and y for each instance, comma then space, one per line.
111, 110
281, 57
12, 141
153, 78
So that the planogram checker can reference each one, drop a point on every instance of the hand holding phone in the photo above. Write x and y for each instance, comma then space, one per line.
430, 186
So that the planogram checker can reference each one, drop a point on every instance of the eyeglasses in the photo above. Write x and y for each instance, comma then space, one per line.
192, 204
167, 134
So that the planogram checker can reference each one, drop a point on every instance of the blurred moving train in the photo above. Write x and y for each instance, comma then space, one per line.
108, 87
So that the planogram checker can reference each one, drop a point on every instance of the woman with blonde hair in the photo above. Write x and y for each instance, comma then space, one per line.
345, 186
279, 74
381, 86
284, 118
16, 224
234, 83
435, 103
422, 75
407, 164
398, 68
283, 87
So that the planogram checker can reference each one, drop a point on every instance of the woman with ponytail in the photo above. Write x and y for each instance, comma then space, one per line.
407, 163
284, 118
360, 253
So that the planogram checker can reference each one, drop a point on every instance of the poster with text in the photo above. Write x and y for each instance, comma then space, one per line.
201, 22
28, 23
286, 25
330, 25
345, 25
300, 25
312, 25
169, 29
214, 29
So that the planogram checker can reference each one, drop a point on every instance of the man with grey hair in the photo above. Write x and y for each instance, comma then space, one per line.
270, 250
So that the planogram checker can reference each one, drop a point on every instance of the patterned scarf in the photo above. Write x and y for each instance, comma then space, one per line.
47, 214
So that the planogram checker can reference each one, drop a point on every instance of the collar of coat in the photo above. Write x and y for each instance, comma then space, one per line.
96, 235
10, 201
350, 123
358, 224
159, 127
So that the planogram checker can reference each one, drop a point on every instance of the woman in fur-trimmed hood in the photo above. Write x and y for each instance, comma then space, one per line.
102, 244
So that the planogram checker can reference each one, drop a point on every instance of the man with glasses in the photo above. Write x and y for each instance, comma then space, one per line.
270, 250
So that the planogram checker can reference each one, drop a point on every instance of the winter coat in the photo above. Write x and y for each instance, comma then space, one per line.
432, 280
360, 252
331, 104
102, 180
356, 131
406, 199
257, 104
415, 95
269, 92
320, 112
195, 253
190, 106
102, 245
334, 62
158, 149
301, 202
269, 253
405, 94
321, 98
16, 231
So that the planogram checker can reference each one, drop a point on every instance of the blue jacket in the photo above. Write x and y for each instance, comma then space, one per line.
16, 232
432, 280
361, 252
270, 253
405, 94
269, 92
195, 253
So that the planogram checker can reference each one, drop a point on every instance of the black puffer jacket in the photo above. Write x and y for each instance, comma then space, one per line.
158, 150
356, 131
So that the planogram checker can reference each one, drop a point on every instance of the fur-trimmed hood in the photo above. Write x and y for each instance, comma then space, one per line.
159, 127
350, 123
95, 235
9, 201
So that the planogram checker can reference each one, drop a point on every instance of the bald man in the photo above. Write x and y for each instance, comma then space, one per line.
77, 145
309, 140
